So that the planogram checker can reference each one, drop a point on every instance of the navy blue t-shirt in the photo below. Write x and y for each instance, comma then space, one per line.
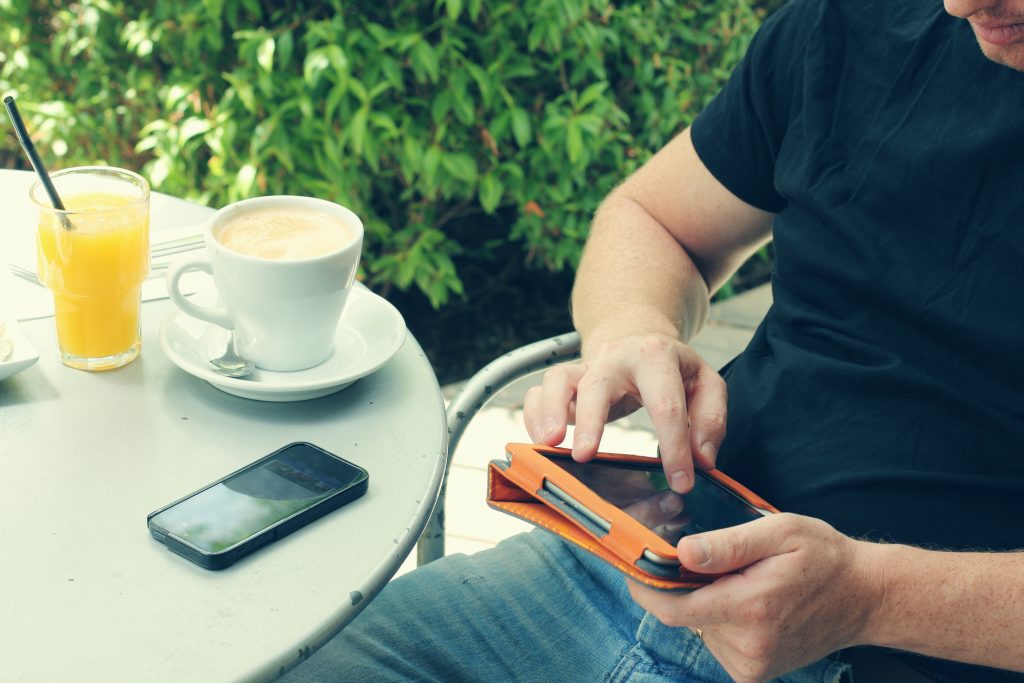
884, 391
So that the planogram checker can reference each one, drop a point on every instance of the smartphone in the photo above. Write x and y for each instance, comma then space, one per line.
638, 489
266, 500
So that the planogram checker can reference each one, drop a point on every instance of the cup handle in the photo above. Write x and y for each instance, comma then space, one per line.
175, 272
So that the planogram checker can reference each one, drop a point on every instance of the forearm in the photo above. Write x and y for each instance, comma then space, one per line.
635, 277
656, 244
659, 244
963, 606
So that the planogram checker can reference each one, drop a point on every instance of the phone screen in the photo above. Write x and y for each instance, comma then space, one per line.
271, 490
642, 492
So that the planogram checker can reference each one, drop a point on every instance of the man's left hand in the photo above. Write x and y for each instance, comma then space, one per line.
800, 591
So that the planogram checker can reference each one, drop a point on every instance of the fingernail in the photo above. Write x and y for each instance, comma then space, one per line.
679, 480
709, 450
703, 549
671, 503
550, 426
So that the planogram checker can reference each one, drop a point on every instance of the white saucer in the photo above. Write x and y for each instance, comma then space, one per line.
23, 355
371, 331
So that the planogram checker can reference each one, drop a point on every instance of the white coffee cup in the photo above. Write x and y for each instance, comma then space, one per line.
284, 309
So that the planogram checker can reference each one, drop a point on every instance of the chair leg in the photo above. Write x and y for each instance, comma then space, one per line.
431, 544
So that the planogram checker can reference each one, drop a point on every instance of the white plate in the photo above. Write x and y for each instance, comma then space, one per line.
22, 355
371, 331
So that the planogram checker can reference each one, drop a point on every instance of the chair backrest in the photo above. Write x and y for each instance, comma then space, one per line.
474, 395
499, 373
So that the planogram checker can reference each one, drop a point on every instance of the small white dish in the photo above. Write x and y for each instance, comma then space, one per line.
371, 331
23, 355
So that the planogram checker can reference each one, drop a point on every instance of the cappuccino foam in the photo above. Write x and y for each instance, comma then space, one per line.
284, 234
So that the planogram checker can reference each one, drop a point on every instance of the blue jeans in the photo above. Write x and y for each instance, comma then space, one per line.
530, 609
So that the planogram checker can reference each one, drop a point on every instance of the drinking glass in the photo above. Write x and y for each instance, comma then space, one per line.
94, 257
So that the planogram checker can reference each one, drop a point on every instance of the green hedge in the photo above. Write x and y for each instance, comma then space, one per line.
429, 119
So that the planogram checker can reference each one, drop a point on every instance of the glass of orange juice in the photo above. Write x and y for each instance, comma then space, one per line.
94, 257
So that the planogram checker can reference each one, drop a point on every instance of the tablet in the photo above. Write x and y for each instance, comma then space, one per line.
641, 490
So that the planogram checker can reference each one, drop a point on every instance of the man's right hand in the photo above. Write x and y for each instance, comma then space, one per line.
685, 398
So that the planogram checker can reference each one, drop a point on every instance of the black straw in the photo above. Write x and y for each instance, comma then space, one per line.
33, 157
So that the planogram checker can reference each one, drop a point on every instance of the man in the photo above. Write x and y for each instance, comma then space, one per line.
884, 154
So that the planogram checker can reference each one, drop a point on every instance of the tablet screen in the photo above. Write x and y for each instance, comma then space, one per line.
642, 492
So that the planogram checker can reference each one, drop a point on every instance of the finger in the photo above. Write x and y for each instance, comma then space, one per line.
707, 401
733, 548
668, 607
547, 412
664, 396
710, 604
654, 601
532, 418
595, 394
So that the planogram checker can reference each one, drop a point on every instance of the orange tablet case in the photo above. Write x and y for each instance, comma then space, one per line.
516, 488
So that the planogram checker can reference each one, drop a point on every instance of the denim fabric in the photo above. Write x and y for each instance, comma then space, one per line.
530, 609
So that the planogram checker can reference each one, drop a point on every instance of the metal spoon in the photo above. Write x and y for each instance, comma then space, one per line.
230, 364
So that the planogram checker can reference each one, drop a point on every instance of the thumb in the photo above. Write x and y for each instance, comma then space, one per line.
727, 550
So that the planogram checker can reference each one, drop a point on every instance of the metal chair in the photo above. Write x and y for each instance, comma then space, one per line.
478, 390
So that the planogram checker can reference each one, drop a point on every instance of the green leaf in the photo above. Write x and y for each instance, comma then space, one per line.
454, 9
424, 60
357, 129
431, 162
147, 143
174, 96
441, 105
158, 171
574, 140
285, 47
245, 181
339, 62
315, 64
384, 122
462, 103
483, 83
536, 36
521, 128
460, 166
378, 89
412, 153
335, 97
591, 94
359, 90
192, 127
265, 54
406, 271
392, 71
243, 89
318, 60
491, 191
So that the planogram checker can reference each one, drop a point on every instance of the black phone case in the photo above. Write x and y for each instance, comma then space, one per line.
229, 556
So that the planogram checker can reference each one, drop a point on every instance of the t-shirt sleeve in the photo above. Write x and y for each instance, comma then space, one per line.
739, 134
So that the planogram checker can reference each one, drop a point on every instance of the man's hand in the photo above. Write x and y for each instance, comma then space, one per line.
685, 398
803, 591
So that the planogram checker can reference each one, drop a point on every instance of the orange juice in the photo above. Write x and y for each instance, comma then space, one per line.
95, 268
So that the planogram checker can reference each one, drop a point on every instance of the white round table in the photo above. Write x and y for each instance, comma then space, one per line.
85, 592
